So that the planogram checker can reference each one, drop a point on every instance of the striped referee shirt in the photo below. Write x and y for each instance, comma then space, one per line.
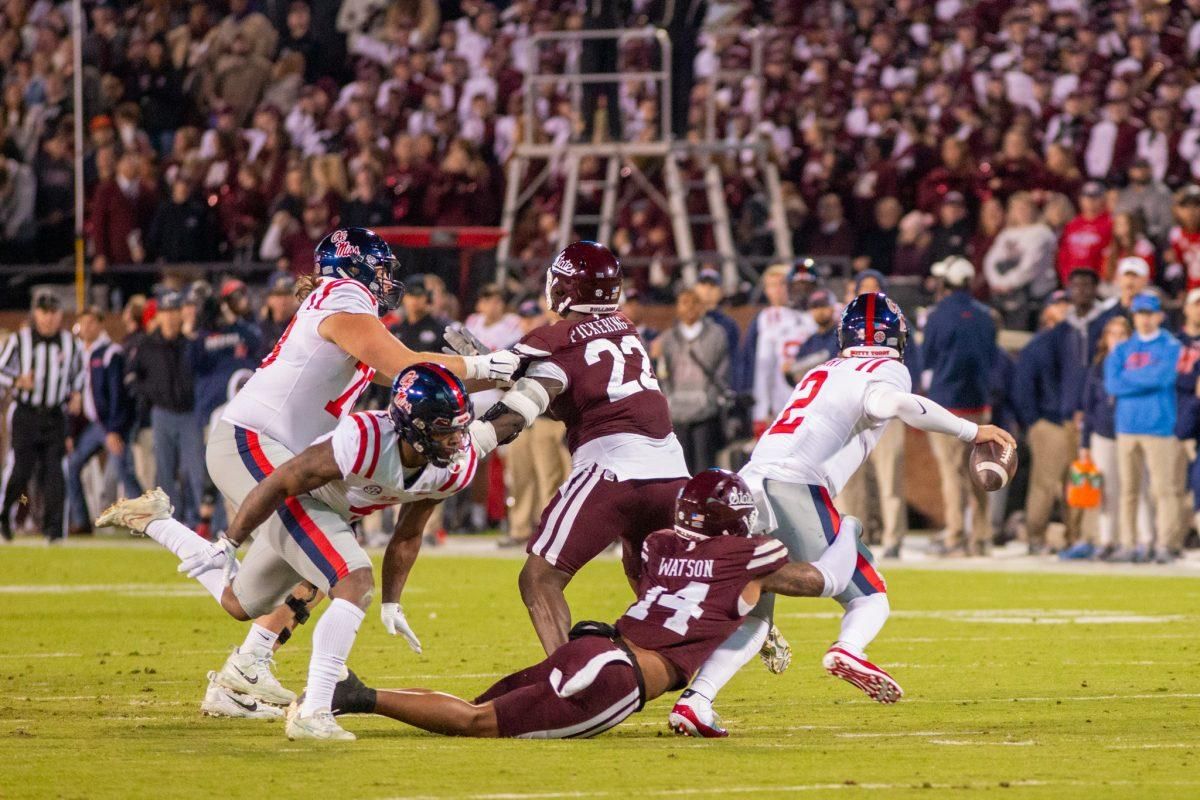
56, 363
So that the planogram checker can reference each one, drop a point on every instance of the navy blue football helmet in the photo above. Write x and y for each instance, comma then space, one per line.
428, 403
362, 255
873, 325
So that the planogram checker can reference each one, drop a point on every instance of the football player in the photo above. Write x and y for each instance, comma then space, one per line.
699, 579
415, 454
833, 420
334, 346
590, 370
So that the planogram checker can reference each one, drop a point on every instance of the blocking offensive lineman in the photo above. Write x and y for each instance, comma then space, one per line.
699, 580
835, 417
416, 454
591, 371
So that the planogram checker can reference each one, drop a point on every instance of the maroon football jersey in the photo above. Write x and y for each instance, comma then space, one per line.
691, 593
610, 383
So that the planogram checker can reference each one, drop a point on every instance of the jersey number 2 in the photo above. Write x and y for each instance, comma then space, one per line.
685, 603
618, 387
806, 392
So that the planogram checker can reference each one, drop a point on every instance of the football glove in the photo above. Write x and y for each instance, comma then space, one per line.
462, 342
395, 622
221, 554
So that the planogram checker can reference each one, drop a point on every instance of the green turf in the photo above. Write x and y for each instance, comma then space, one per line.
103, 653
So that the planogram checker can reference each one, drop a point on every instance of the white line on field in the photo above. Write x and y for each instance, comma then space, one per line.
1157, 746
964, 743
905, 733
41, 655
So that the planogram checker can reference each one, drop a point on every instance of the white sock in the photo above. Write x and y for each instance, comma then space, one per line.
837, 563
741, 646
183, 542
259, 641
862, 622
332, 640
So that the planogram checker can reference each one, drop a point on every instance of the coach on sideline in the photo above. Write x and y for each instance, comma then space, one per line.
44, 363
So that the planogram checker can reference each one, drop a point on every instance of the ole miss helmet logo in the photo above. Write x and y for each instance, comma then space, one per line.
344, 248
402, 386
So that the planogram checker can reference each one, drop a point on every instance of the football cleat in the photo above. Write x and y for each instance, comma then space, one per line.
693, 715
136, 513
251, 674
776, 653
222, 702
320, 725
878, 685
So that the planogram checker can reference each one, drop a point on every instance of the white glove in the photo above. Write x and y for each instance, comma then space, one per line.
395, 622
462, 342
221, 554
497, 366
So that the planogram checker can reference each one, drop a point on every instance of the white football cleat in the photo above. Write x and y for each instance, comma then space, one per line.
876, 682
693, 715
249, 674
776, 653
136, 513
222, 702
320, 725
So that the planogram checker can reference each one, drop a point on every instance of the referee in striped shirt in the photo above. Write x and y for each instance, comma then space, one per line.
43, 364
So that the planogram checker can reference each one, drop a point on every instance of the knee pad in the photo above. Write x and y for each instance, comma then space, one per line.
299, 608
284, 635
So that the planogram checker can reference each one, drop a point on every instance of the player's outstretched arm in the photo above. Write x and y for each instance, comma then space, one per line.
364, 337
828, 576
517, 409
885, 402
796, 579
312, 469
398, 562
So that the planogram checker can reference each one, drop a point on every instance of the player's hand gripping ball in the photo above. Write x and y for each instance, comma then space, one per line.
993, 465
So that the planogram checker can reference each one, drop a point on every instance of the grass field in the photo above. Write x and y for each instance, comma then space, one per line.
1048, 686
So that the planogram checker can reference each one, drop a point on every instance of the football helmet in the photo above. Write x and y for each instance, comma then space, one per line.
716, 502
428, 403
361, 255
873, 325
585, 277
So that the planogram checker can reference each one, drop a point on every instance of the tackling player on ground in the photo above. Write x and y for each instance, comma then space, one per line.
835, 417
415, 454
590, 370
698, 581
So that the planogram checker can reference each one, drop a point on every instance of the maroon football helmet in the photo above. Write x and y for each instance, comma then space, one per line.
585, 277
715, 503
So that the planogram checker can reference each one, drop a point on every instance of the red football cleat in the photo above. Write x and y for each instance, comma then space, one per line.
878, 685
687, 720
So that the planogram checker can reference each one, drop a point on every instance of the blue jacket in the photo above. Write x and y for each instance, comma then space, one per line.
742, 374
1187, 405
1141, 375
1004, 412
106, 388
217, 354
1037, 383
1099, 407
732, 331
958, 351
1079, 339
826, 342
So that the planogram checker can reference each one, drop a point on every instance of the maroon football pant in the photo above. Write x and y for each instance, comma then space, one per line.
600, 682
593, 509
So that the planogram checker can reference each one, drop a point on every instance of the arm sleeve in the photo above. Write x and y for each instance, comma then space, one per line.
1158, 375
1114, 376
883, 401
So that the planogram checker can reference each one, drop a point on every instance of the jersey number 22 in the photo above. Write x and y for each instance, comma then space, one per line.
618, 387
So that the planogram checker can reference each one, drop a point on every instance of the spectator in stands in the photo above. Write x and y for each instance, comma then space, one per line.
183, 228
54, 207
289, 243
1052, 436
1128, 239
164, 380
952, 235
18, 223
1183, 243
1020, 264
420, 330
1140, 374
366, 208
708, 290
955, 174
912, 245
632, 307
1112, 144
121, 211
1187, 401
694, 371
1143, 193
1097, 444
877, 246
828, 234
1001, 394
991, 222
957, 353
1086, 237
239, 78
277, 312
1016, 168
108, 411
1133, 276
461, 191
1062, 176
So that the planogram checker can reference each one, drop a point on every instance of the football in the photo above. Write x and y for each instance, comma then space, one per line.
993, 465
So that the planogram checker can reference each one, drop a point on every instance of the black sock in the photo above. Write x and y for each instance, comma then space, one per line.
352, 696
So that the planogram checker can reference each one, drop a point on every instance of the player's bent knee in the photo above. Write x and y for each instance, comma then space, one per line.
233, 606
355, 588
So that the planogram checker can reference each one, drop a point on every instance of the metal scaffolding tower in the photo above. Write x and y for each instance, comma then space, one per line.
627, 169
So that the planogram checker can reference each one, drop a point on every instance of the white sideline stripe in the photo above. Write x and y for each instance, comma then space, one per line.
962, 743
41, 655
1013, 616
163, 589
1160, 746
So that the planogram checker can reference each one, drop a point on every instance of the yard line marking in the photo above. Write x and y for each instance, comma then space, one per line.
188, 588
906, 733
40, 655
964, 743
1015, 616
1160, 746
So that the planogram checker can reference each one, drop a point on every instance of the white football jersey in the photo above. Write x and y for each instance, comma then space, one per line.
367, 450
825, 433
306, 384
781, 331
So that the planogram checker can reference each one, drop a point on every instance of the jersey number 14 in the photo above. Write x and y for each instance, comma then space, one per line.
685, 603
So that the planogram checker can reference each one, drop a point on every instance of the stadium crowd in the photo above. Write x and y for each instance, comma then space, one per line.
1027, 168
